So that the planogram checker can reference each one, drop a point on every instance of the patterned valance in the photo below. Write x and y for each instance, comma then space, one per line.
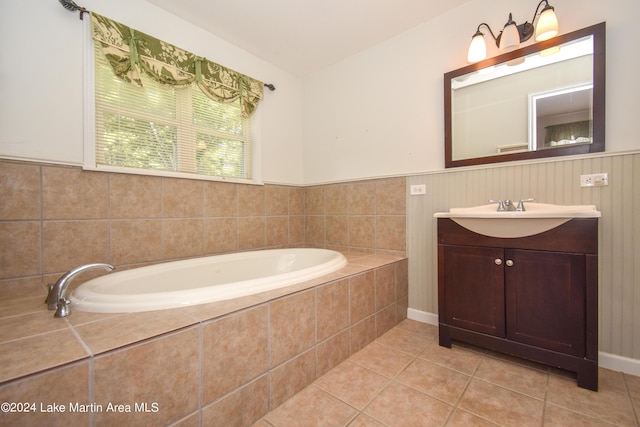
130, 52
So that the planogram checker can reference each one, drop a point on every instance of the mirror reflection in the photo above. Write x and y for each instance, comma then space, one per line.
538, 103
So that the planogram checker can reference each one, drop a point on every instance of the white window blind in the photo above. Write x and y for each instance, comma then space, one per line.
168, 128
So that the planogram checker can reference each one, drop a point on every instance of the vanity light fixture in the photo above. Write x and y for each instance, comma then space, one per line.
513, 34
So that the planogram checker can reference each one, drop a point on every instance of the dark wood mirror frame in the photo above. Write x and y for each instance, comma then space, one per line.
599, 68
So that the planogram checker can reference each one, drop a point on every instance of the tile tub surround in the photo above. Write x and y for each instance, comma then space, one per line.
233, 361
54, 218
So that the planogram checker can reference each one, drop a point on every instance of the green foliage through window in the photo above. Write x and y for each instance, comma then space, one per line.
168, 128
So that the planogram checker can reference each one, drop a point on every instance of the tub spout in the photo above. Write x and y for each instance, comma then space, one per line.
56, 299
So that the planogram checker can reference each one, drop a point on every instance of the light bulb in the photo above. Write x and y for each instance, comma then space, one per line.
547, 26
510, 38
477, 48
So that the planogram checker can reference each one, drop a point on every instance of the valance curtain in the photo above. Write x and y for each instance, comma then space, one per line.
568, 132
130, 52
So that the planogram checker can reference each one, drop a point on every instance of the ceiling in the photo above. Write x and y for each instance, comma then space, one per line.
302, 36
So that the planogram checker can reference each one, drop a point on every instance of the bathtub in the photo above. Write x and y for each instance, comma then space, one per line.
202, 280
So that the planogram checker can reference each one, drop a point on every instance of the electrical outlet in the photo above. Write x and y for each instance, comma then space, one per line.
419, 189
594, 180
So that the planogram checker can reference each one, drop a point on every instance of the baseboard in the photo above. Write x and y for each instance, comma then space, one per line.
605, 360
619, 363
422, 316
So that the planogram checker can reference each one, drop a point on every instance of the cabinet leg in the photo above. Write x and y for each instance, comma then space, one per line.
444, 338
588, 375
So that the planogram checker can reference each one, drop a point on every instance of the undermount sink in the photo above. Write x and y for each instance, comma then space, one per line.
536, 218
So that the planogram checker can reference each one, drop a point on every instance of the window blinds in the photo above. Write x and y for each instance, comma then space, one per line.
168, 128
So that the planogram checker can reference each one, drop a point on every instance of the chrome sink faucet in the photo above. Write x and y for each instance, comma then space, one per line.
508, 206
56, 299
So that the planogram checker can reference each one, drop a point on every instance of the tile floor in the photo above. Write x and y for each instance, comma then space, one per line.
405, 378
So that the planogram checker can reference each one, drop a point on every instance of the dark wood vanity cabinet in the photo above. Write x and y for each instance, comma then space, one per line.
534, 297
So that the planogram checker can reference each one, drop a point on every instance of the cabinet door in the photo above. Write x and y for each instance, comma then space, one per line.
545, 299
474, 289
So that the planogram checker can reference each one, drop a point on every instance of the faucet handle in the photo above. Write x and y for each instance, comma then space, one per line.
520, 207
63, 308
51, 297
500, 204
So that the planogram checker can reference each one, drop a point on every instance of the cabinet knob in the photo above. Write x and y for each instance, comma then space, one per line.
498, 261
509, 263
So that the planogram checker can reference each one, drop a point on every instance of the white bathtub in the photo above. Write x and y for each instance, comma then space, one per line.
202, 280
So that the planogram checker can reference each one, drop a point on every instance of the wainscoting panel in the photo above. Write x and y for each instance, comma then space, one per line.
558, 182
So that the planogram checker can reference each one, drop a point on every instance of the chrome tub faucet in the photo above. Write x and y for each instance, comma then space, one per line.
56, 298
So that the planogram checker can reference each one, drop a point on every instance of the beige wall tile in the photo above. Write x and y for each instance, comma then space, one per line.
136, 241
220, 235
242, 408
314, 229
19, 249
402, 278
296, 230
391, 196
386, 319
235, 350
220, 199
391, 233
291, 377
25, 325
22, 357
99, 335
362, 296
277, 200
131, 375
68, 244
292, 326
182, 198
183, 238
314, 200
336, 199
71, 193
332, 308
385, 279
362, 198
402, 307
135, 196
20, 189
362, 231
61, 386
21, 287
337, 230
277, 229
251, 200
332, 352
251, 233
296, 201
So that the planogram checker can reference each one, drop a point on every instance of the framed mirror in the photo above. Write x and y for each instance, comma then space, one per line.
543, 100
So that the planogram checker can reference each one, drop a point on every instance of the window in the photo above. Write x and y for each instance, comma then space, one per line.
164, 129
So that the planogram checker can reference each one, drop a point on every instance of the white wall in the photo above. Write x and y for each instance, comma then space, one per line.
380, 112
377, 113
41, 81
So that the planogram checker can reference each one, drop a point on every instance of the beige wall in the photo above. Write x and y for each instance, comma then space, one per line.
548, 182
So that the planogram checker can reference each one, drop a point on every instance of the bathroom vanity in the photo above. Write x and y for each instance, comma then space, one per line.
531, 296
